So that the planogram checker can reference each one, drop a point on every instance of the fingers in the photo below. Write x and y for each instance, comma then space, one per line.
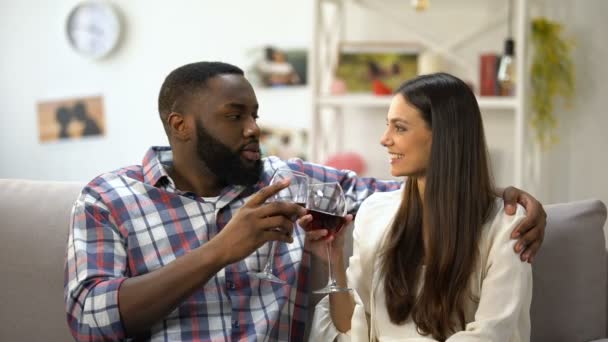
265, 193
316, 235
286, 209
524, 226
323, 234
347, 220
305, 221
313, 235
530, 252
510, 196
527, 240
533, 207
273, 235
535, 220
278, 223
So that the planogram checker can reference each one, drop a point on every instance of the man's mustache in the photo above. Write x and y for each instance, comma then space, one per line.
253, 145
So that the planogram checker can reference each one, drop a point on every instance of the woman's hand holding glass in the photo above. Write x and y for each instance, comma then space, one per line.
316, 240
324, 224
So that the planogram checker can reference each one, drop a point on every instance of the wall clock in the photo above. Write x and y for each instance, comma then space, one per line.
94, 28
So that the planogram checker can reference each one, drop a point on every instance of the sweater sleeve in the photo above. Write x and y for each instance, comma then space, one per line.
503, 313
359, 277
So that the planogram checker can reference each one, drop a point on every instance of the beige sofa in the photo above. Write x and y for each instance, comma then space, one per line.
570, 286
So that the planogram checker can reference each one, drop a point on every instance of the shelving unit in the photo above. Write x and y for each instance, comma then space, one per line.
368, 100
329, 110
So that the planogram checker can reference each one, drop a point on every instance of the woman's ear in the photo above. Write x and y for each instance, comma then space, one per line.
179, 127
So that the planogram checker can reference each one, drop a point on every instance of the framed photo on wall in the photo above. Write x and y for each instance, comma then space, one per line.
272, 66
72, 118
284, 143
378, 68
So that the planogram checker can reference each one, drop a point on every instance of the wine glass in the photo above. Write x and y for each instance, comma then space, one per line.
296, 192
327, 205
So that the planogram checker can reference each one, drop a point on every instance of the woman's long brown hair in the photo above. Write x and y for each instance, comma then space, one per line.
458, 196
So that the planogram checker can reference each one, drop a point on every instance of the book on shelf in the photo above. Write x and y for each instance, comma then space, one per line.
488, 71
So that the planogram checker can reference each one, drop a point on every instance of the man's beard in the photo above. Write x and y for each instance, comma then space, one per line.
225, 164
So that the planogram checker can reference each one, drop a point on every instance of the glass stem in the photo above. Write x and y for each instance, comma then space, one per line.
270, 263
332, 281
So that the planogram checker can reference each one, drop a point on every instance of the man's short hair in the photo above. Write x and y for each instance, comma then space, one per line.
184, 81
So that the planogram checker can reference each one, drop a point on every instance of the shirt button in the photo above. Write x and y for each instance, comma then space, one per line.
230, 285
235, 324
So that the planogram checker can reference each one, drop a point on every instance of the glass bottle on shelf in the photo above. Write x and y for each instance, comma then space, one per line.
506, 70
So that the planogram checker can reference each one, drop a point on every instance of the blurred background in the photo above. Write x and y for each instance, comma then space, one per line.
56, 54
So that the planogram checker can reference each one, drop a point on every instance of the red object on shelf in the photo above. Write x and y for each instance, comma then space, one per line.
488, 68
380, 88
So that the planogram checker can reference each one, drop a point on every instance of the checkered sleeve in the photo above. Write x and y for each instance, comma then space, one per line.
356, 189
94, 270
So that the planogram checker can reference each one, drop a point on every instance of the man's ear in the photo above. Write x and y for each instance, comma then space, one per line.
179, 126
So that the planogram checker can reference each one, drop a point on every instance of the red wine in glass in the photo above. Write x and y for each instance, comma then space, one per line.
321, 220
327, 206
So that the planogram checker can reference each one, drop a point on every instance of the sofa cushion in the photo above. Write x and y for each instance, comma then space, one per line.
569, 296
33, 233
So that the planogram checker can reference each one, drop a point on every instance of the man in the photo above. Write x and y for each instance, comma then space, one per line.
161, 251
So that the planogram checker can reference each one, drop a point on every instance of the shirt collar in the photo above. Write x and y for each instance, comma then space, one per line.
154, 165
158, 158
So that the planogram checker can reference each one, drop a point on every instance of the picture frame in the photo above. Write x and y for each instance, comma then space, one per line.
283, 142
272, 66
376, 67
71, 118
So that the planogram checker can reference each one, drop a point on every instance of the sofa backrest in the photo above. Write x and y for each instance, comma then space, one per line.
34, 219
569, 298
570, 273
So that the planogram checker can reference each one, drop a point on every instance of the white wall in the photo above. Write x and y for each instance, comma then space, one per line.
577, 167
37, 63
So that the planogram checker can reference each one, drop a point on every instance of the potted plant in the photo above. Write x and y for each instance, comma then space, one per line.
552, 75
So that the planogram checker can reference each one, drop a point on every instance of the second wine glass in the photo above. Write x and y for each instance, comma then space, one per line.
327, 205
296, 192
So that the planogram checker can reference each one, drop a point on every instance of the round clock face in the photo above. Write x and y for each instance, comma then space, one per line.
93, 28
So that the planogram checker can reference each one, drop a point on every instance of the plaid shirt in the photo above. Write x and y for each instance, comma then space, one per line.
133, 221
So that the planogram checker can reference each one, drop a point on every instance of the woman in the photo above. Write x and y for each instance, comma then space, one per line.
434, 260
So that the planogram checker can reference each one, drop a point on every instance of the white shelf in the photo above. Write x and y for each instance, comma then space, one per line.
497, 102
376, 101
355, 100
330, 31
